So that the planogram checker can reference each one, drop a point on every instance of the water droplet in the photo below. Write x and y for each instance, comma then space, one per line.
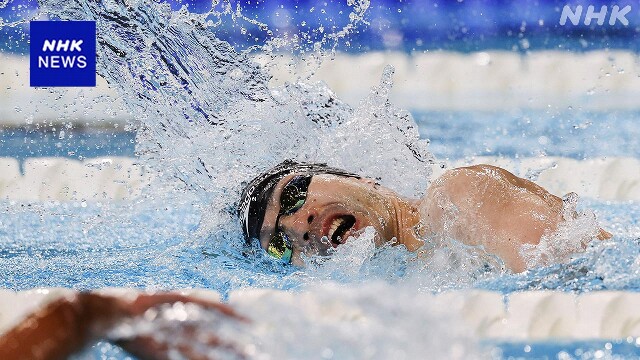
483, 58
327, 353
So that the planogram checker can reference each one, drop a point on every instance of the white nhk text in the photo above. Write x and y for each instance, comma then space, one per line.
617, 14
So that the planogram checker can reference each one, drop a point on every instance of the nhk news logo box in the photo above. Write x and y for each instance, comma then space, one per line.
63, 53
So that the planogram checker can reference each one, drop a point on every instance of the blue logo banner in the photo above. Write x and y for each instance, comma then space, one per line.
63, 53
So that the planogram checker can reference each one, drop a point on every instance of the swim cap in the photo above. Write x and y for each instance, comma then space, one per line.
255, 196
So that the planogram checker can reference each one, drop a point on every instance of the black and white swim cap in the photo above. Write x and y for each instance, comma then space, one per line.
255, 196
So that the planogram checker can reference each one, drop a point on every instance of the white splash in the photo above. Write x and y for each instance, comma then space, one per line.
369, 321
571, 237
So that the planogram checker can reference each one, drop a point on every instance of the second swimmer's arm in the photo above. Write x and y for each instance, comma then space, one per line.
67, 325
55, 332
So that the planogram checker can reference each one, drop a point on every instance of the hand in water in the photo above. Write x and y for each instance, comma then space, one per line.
177, 336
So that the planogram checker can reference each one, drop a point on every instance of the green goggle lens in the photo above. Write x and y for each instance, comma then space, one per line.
292, 198
294, 194
280, 247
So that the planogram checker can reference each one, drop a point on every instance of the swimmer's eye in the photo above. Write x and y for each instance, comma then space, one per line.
280, 247
294, 194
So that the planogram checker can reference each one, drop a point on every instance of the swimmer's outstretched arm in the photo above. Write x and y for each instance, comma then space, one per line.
67, 325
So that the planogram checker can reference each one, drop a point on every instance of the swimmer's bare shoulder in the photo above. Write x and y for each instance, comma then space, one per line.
489, 206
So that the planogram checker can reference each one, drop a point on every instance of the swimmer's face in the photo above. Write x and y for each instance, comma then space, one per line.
333, 209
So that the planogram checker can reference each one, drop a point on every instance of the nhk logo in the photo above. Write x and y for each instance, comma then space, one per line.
616, 14
63, 53
56, 61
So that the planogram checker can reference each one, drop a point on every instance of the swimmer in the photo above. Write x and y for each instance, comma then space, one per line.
296, 209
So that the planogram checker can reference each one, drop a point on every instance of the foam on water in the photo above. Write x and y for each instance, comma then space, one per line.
370, 321
442, 267
570, 238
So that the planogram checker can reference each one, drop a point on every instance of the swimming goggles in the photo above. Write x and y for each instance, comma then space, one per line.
292, 198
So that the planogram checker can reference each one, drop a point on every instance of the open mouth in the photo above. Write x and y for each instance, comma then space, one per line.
339, 228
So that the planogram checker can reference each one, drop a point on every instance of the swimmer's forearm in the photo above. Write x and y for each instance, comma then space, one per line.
65, 326
61, 328
55, 332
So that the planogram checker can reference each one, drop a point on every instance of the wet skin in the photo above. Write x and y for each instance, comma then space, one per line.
65, 326
479, 205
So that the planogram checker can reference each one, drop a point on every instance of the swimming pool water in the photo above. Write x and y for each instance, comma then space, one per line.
22, 143
153, 242
153, 246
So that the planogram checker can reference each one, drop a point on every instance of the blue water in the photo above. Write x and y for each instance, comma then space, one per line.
600, 349
410, 25
20, 143
152, 244
89, 245
525, 133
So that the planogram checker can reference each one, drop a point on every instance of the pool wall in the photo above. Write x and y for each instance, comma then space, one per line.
121, 178
438, 80
524, 316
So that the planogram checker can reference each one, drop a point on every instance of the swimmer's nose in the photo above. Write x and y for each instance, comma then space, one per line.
297, 224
